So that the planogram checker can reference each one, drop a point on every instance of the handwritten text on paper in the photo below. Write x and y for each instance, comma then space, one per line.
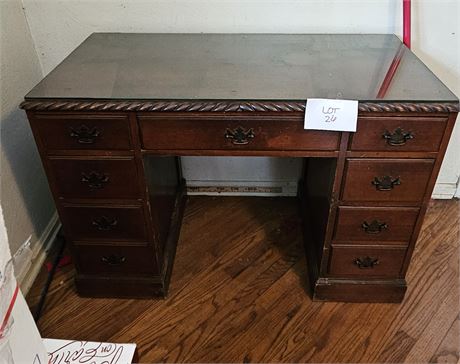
87, 352
331, 114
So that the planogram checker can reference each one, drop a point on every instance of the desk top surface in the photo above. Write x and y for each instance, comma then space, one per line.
241, 67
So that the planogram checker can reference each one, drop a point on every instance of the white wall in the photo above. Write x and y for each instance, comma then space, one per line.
59, 26
25, 197
436, 40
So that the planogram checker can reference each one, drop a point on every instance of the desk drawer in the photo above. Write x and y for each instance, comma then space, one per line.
415, 134
114, 223
386, 180
83, 131
250, 133
366, 261
377, 224
93, 177
114, 259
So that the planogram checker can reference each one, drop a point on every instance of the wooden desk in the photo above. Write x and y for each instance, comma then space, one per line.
113, 118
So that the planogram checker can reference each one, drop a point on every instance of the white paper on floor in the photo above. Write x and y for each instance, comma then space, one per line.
73, 352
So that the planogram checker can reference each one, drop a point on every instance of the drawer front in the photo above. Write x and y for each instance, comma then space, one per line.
365, 261
182, 134
114, 259
386, 180
83, 131
105, 223
376, 224
399, 134
95, 178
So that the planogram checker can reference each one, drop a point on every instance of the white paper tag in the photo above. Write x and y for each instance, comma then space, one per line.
331, 114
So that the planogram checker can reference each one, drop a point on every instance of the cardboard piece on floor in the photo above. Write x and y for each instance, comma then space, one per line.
20, 341
24, 341
73, 352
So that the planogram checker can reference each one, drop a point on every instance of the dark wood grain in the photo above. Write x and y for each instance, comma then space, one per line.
316, 191
115, 259
413, 176
360, 290
430, 186
350, 260
225, 106
163, 181
425, 134
240, 68
83, 131
150, 279
238, 294
397, 224
116, 177
334, 203
105, 222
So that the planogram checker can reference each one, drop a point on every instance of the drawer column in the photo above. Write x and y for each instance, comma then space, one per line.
96, 172
390, 167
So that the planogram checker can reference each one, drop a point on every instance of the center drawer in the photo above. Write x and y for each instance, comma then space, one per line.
167, 132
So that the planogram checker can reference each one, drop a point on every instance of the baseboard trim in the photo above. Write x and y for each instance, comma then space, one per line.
444, 191
242, 188
441, 190
40, 252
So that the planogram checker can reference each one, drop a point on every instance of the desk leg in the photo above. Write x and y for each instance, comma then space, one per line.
166, 200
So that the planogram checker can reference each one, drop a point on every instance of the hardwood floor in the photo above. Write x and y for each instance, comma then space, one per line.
238, 294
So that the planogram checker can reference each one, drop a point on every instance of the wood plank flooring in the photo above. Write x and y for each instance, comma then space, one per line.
239, 294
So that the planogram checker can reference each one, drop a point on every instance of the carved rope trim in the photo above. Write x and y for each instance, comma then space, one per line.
221, 106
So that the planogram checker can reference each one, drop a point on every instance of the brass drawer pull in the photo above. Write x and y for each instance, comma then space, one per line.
366, 262
375, 227
385, 183
113, 259
239, 136
84, 134
398, 137
104, 223
94, 180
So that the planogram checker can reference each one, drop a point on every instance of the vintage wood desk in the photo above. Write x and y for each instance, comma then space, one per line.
111, 120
